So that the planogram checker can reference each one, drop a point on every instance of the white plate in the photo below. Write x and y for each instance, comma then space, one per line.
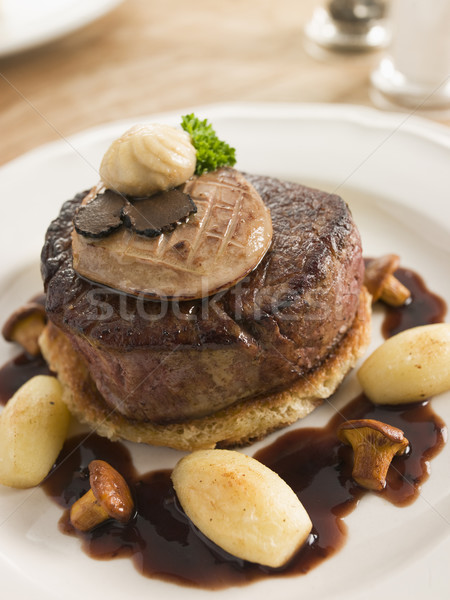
394, 172
25, 24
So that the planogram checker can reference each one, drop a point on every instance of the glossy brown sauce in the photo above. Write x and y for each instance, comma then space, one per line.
163, 543
423, 308
17, 371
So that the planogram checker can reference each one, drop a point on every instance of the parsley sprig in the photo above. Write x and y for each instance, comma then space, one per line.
211, 152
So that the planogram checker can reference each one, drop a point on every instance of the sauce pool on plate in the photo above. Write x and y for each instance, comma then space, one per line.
18, 371
423, 308
164, 544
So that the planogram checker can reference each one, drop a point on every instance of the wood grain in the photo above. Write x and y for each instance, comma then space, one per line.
148, 56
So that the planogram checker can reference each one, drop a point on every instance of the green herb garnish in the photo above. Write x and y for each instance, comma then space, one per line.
211, 152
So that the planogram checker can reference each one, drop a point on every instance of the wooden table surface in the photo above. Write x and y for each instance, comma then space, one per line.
149, 56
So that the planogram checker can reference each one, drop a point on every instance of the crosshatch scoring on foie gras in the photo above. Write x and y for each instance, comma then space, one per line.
191, 305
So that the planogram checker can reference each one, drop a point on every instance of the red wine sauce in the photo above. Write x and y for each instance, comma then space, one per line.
161, 540
18, 371
423, 308
163, 543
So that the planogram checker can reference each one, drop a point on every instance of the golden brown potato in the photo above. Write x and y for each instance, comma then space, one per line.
241, 505
33, 427
408, 367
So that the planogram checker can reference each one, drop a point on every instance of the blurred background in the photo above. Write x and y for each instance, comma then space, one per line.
138, 57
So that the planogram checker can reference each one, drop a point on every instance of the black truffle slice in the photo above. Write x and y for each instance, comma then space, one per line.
158, 214
101, 216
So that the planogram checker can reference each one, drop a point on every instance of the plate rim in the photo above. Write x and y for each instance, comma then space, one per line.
368, 116
247, 110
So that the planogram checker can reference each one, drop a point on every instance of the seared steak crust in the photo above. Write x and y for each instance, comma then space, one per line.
167, 362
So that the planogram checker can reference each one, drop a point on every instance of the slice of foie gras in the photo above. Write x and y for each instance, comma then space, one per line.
222, 243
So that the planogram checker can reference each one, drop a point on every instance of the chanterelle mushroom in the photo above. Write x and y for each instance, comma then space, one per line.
374, 446
25, 326
380, 281
108, 498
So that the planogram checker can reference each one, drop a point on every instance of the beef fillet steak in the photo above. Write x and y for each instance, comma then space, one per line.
168, 363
